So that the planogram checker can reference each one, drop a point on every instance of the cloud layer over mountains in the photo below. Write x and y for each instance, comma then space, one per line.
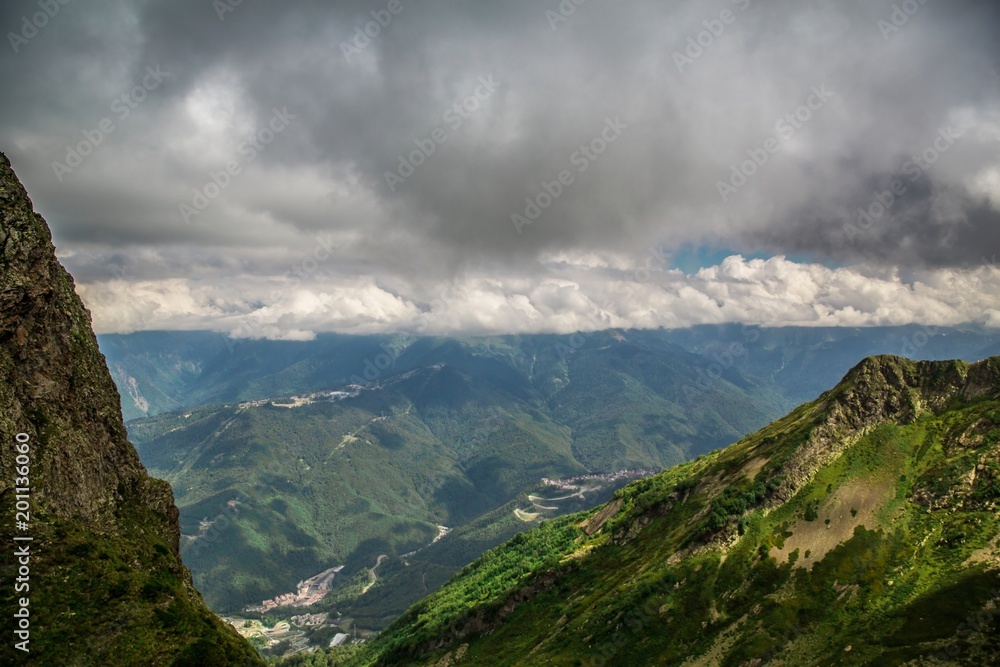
277, 170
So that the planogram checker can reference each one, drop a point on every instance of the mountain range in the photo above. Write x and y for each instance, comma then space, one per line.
161, 371
357, 451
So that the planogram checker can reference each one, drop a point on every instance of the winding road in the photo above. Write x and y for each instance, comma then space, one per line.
372, 573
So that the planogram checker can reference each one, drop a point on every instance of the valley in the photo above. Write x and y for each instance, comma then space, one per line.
400, 482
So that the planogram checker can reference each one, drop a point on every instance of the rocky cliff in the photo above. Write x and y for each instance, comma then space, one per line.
106, 584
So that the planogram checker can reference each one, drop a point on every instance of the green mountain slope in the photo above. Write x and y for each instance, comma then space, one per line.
452, 433
101, 581
861, 529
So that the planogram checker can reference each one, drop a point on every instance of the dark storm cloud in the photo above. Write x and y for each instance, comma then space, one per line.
688, 113
924, 225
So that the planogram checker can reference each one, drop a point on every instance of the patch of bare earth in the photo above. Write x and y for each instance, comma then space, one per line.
988, 555
526, 517
754, 466
452, 657
596, 522
819, 538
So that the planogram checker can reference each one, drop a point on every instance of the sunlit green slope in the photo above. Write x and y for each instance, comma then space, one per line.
861, 529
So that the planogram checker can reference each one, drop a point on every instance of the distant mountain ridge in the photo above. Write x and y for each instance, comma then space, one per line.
169, 371
861, 529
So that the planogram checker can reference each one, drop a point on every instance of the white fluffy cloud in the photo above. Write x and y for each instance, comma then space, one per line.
572, 297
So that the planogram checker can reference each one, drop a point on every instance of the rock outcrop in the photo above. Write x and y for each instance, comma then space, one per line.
107, 585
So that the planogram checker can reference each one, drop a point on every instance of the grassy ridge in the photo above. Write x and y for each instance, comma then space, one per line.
885, 552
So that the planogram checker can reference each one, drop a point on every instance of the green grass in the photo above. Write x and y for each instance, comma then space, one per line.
89, 598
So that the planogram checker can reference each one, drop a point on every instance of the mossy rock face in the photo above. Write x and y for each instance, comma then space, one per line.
107, 583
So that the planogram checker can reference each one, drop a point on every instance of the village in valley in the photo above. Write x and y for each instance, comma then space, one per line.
291, 636
307, 593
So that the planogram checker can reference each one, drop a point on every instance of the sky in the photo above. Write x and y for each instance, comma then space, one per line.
283, 169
